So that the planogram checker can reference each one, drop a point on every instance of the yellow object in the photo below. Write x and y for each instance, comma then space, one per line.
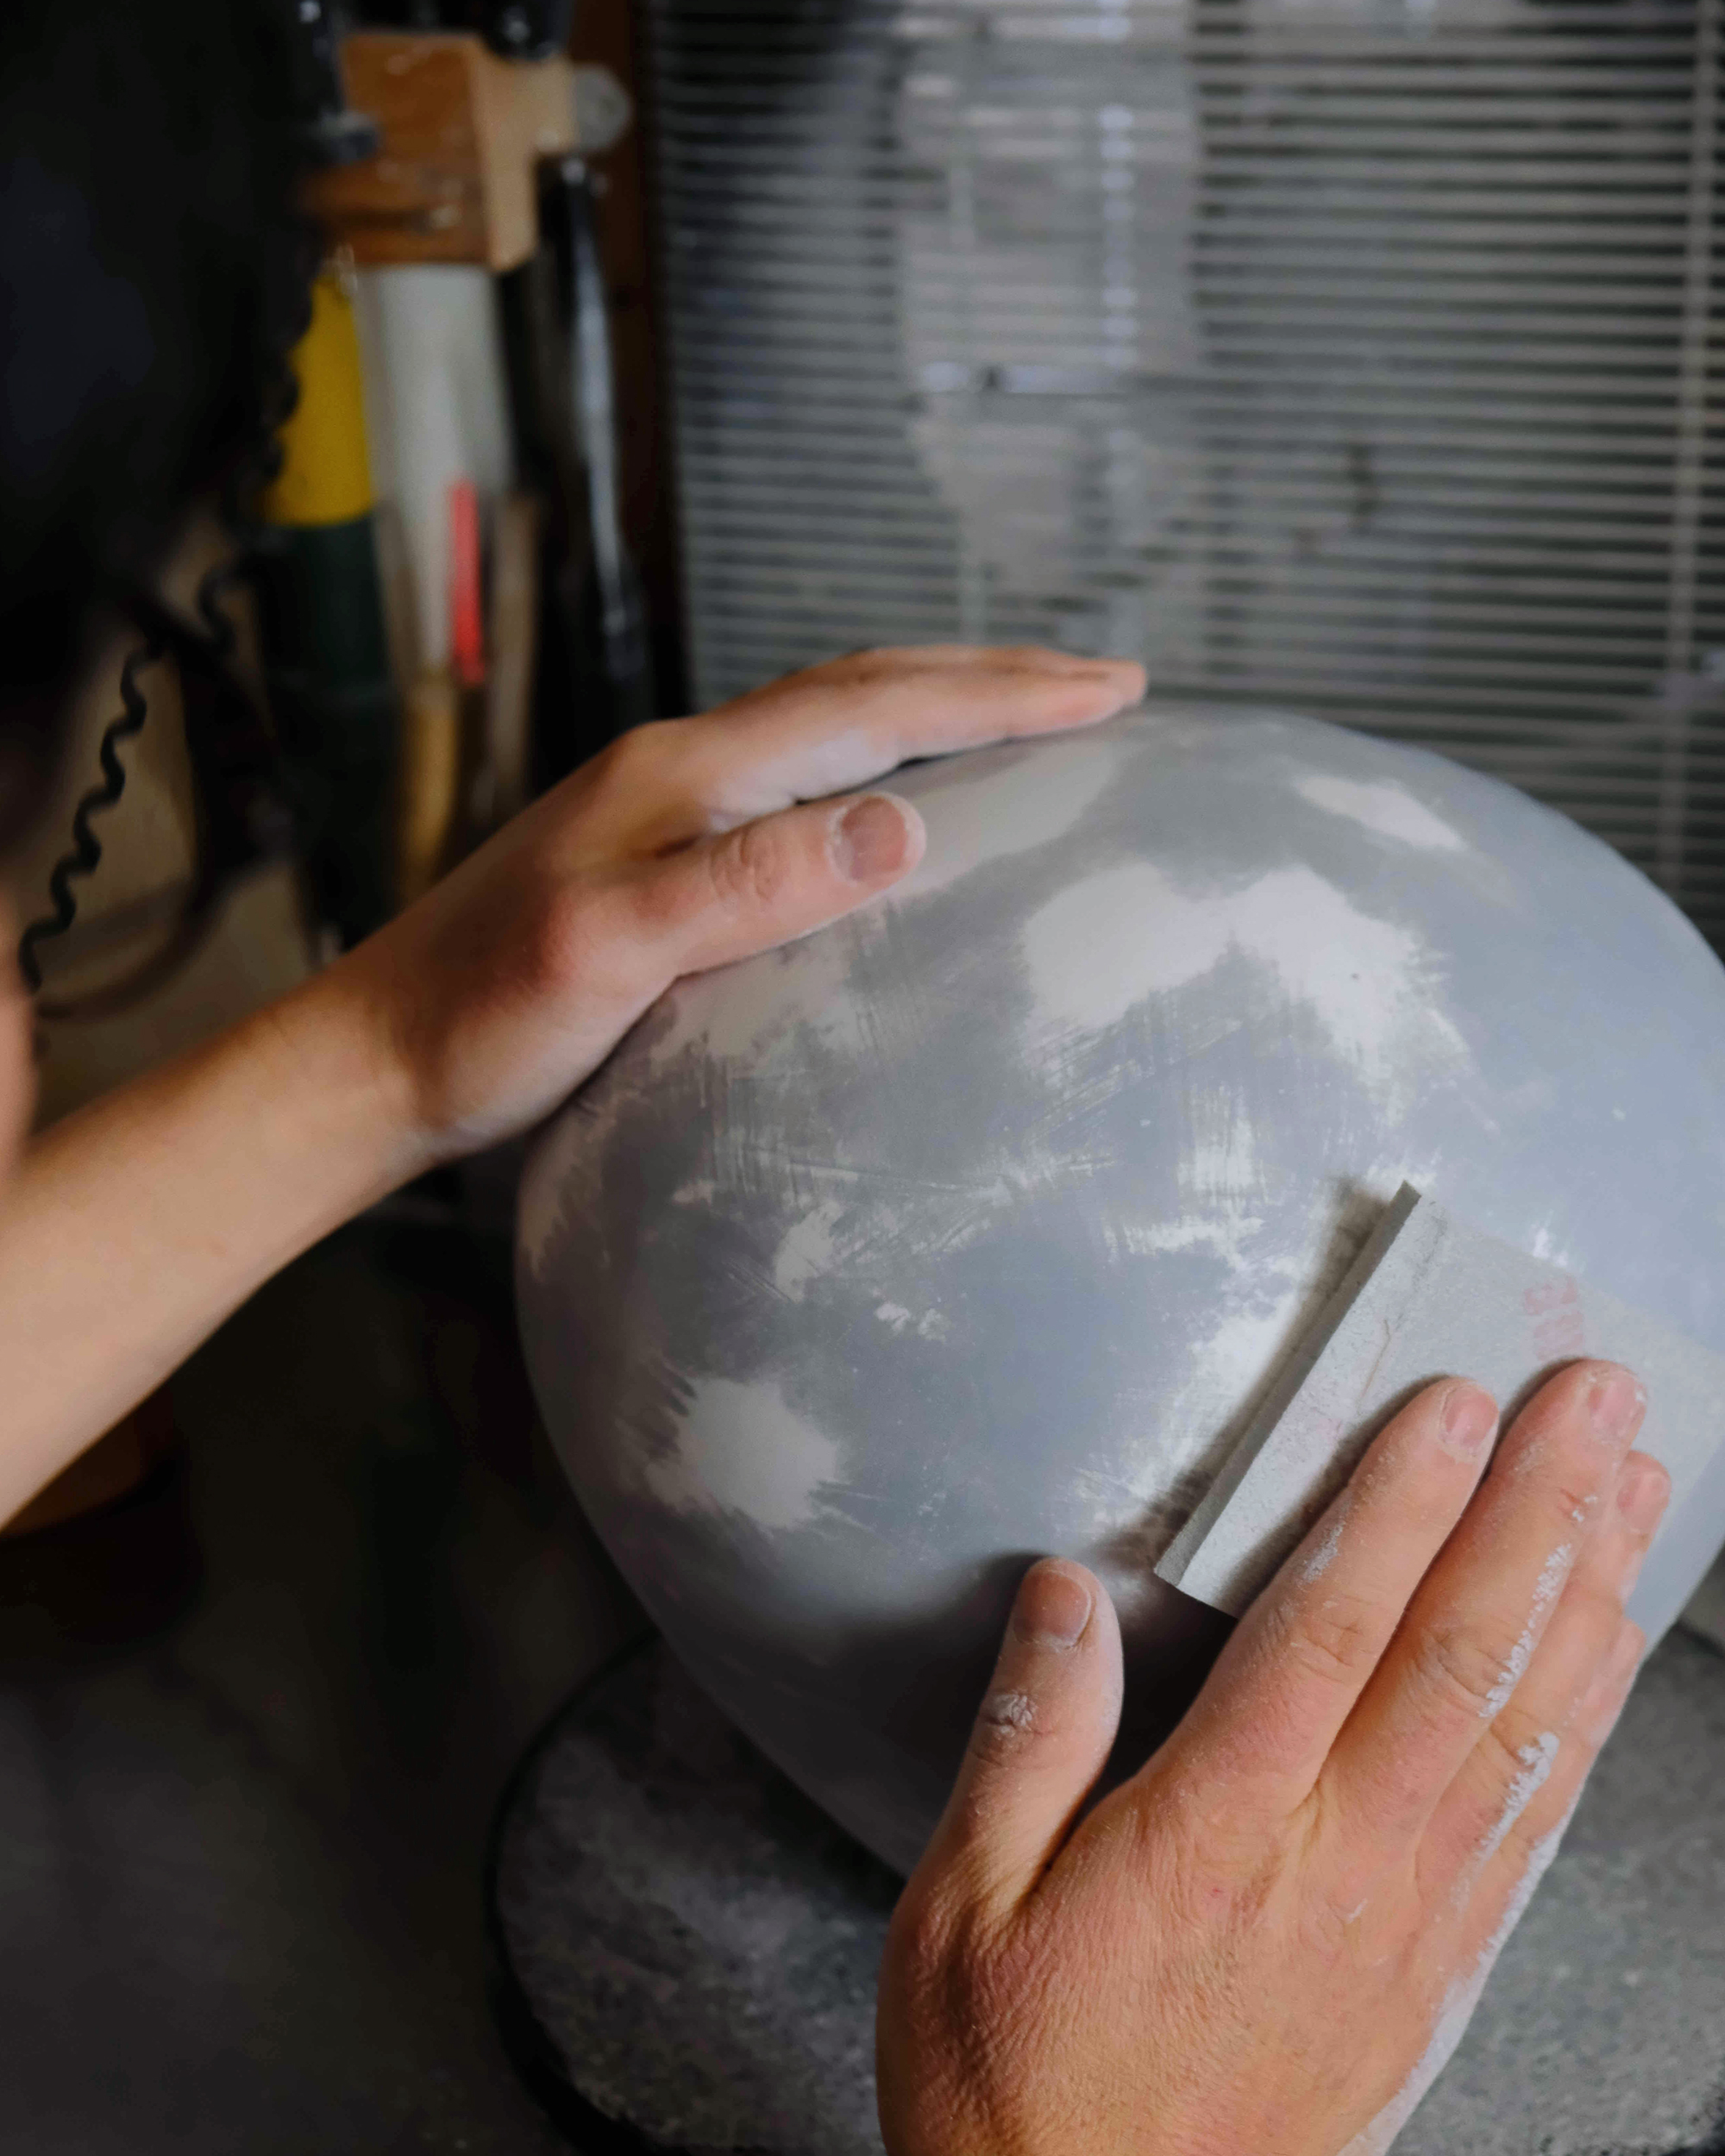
430, 781
325, 476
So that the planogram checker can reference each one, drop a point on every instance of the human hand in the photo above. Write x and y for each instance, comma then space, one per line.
1269, 1940
685, 845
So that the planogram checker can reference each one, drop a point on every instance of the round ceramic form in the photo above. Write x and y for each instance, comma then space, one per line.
972, 1226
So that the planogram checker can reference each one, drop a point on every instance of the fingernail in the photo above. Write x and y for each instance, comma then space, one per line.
1643, 1492
1469, 1417
871, 838
1615, 1403
1052, 1607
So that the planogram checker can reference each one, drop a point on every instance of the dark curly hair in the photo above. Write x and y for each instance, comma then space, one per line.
149, 263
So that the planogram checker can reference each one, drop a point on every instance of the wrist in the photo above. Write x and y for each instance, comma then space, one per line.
354, 1101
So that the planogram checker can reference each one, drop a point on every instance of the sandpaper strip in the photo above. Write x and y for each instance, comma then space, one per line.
1430, 1297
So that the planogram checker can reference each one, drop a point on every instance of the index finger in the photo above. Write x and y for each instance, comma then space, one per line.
843, 725
1301, 1657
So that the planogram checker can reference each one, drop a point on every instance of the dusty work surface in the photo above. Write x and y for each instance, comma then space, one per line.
241, 1855
697, 1943
698, 1946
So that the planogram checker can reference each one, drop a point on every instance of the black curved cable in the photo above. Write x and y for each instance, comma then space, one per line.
85, 852
210, 657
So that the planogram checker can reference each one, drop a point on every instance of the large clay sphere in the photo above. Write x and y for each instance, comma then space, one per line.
972, 1226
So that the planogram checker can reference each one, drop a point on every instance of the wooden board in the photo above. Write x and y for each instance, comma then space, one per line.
452, 180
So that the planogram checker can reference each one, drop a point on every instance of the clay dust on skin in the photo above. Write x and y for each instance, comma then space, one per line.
1457, 2008
1313, 1567
1009, 1710
1546, 1588
1537, 1759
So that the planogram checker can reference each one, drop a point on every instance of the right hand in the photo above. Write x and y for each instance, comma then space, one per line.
1267, 1942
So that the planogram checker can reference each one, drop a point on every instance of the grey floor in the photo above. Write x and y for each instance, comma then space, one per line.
252, 1735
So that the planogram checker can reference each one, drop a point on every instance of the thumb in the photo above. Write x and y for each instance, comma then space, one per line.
769, 882
1041, 1738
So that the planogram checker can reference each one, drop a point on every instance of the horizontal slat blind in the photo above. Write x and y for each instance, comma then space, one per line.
1363, 356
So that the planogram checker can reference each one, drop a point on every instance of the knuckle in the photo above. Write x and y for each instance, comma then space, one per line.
663, 903
860, 668
553, 942
1338, 1638
1588, 1616
633, 767
941, 1949
1505, 1742
1574, 1495
751, 870
870, 661
1465, 1669
923, 1932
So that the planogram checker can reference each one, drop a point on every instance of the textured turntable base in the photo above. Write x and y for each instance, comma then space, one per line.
691, 1947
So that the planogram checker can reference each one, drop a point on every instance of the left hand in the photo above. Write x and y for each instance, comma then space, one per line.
685, 844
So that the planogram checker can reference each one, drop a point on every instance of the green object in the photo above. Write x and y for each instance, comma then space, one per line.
334, 699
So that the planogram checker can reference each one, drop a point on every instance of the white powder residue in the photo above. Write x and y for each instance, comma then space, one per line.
1221, 1183
807, 1250
1226, 1369
1507, 1677
1457, 2008
1544, 1245
1219, 1164
1386, 810
1030, 802
1546, 1591
1102, 946
1188, 1234
742, 1448
1369, 983
930, 1327
1009, 1710
1315, 1567
1537, 1760
1552, 1574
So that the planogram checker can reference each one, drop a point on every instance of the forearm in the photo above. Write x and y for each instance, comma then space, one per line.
137, 1225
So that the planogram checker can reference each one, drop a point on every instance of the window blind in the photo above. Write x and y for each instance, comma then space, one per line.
1355, 357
